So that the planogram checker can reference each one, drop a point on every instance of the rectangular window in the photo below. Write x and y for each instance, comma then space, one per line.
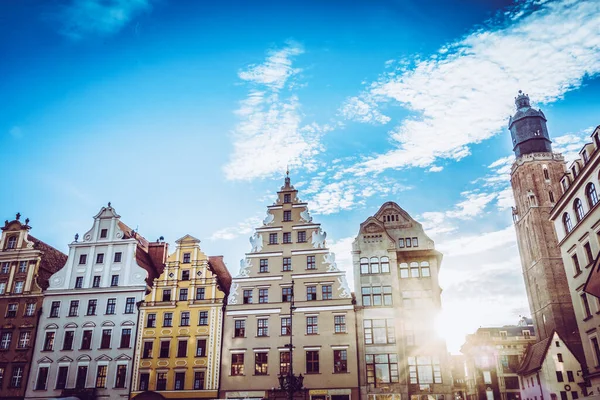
383, 368
262, 327
203, 318
401, 243
5, 340
114, 280
187, 258
111, 306
147, 352
161, 381
168, 319
312, 362
130, 305
563, 395
339, 322
240, 328
576, 266
68, 340
103, 233
22, 267
286, 325
81, 376
379, 331
261, 363
387, 295
287, 216
86, 340
19, 287
426, 370
17, 377
182, 348
100, 258
101, 376
74, 308
272, 238
559, 376
312, 327
185, 275
575, 395
61, 378
106, 336
117, 257
286, 294
366, 296
340, 361
30, 309
284, 362
11, 310
487, 377
301, 236
200, 293
570, 376
311, 262
49, 341
586, 305
248, 296
125, 338
151, 321
183, 294
559, 357
199, 380
408, 242
311, 293
588, 253
263, 295
415, 242
82, 259
327, 292
287, 263
264, 265
200, 347
166, 295
121, 376
376, 291
287, 198
2, 287
184, 319
79, 282
24, 340
237, 364
164, 349
96, 281
287, 237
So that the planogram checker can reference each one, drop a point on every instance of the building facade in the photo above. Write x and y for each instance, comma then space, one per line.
178, 352
576, 218
26, 263
396, 271
89, 318
289, 257
535, 179
493, 356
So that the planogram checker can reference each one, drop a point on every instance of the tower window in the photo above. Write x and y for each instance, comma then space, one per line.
551, 196
546, 174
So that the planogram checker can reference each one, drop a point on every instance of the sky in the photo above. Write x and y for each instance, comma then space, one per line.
186, 114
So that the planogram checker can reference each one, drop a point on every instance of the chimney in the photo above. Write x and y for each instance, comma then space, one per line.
158, 253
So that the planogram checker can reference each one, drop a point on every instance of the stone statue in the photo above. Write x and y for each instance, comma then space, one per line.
232, 298
268, 219
329, 258
256, 242
318, 239
344, 287
305, 215
245, 266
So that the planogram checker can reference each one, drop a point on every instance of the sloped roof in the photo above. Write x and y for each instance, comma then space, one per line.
534, 356
592, 284
218, 267
52, 260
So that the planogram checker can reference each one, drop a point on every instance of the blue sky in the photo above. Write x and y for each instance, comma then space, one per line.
185, 115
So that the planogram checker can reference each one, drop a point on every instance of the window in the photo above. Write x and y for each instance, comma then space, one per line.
19, 287
326, 292
200, 293
312, 362
182, 348
111, 306
364, 265
272, 238
287, 198
263, 295
49, 341
184, 319
570, 376
2, 287
203, 318
161, 381
121, 375
5, 268
264, 265
311, 293
339, 323
403, 270
588, 253
164, 349
340, 361
129, 305
401, 243
366, 296
187, 258
414, 269
286, 326
578, 208
82, 259
185, 275
74, 308
586, 305
559, 376
11, 310
551, 197
379, 331
385, 265
284, 362
103, 233
81, 376
487, 377
237, 364
546, 175
287, 216
591, 195
68, 340
387, 295
312, 327
24, 340
374, 265
12, 243
100, 258
248, 296
408, 242
117, 257
168, 319
183, 294
311, 262
61, 378
105, 340
96, 281
575, 395
286, 294
262, 327
1, 376
261, 363
5, 340
22, 267
287, 237
425, 370
166, 295
101, 376
79, 282
199, 380
201, 348
415, 242
147, 352
559, 357
17, 377
144, 381
114, 280
287, 263
125, 338
86, 340
567, 223
240, 328
301, 236
151, 321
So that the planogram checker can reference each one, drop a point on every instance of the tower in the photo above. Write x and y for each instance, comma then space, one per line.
535, 180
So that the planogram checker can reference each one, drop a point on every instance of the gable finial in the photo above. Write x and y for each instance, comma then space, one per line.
18, 216
109, 204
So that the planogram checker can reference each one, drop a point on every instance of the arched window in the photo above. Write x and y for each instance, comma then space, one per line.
414, 269
364, 265
425, 272
385, 265
374, 265
567, 222
551, 196
590, 193
578, 207
546, 175
403, 270
12, 242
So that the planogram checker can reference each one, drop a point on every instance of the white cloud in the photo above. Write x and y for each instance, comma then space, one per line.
436, 168
359, 110
571, 144
465, 94
245, 227
276, 69
472, 206
435, 223
99, 17
343, 257
479, 243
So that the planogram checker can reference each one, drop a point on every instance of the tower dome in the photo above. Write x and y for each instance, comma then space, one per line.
528, 128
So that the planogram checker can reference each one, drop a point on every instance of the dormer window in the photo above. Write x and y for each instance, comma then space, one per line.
11, 243
585, 156
287, 198
564, 182
103, 233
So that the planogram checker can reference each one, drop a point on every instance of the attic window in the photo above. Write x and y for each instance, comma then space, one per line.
12, 243
287, 198
187, 258
585, 156
103, 233
401, 243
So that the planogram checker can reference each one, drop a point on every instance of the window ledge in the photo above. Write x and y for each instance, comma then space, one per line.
577, 274
588, 318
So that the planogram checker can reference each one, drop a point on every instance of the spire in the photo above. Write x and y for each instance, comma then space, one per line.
287, 178
522, 101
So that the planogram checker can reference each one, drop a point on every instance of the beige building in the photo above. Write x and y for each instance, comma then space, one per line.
289, 257
576, 217
396, 271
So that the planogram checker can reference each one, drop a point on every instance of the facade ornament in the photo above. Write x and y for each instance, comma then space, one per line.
232, 298
305, 215
345, 290
329, 258
269, 218
245, 266
256, 242
76, 236
18, 216
318, 239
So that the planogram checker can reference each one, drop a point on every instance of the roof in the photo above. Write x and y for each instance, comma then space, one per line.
52, 260
592, 284
217, 266
534, 356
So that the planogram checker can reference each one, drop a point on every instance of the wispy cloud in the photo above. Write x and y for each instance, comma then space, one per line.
473, 244
463, 95
245, 227
82, 18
